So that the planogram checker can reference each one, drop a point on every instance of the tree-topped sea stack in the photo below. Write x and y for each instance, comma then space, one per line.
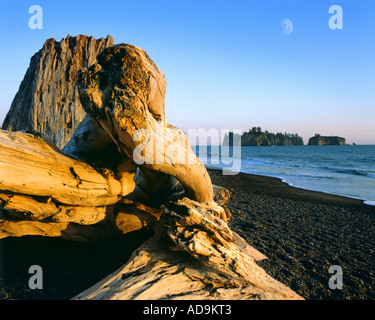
319, 140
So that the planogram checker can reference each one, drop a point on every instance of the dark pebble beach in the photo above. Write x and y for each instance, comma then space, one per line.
303, 233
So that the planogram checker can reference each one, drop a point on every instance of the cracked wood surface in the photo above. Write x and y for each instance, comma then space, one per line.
123, 93
192, 256
31, 165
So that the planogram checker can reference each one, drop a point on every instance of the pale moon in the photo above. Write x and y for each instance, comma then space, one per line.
286, 26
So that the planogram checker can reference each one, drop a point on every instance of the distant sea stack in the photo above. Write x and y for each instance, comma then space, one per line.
319, 140
255, 137
47, 100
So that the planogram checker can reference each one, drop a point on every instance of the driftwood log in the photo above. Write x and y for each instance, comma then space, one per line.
124, 94
96, 168
122, 159
192, 256
32, 165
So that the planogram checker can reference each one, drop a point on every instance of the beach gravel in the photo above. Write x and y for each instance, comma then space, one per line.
303, 233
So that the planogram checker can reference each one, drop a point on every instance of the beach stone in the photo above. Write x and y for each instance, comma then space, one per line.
221, 195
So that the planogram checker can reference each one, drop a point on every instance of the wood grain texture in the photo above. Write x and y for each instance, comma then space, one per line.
124, 94
192, 256
32, 165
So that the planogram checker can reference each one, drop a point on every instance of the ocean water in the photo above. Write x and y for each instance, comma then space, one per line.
342, 170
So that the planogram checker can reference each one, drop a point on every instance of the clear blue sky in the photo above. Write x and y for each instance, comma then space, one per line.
228, 64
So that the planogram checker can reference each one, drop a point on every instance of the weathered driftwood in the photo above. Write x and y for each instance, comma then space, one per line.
23, 215
43, 190
124, 94
32, 165
90, 143
113, 222
88, 192
46, 192
22, 207
192, 256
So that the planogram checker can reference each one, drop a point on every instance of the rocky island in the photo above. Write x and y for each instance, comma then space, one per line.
256, 137
319, 140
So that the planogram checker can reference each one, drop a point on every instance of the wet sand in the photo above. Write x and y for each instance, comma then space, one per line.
303, 233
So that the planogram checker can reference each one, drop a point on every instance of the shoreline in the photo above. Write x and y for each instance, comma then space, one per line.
333, 172
279, 187
303, 233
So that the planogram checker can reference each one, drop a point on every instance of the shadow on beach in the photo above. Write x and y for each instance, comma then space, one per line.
68, 267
